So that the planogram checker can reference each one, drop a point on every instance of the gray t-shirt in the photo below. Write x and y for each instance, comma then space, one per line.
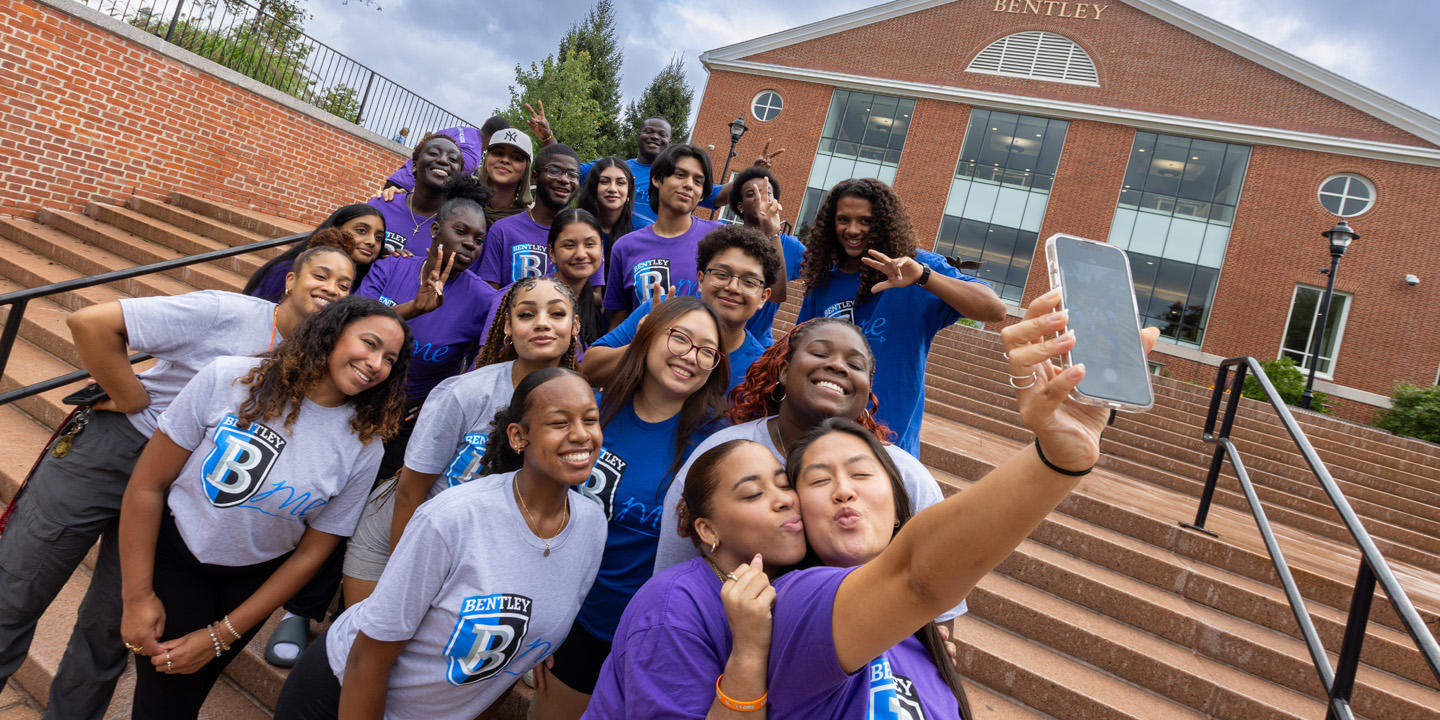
449, 437
185, 333
247, 495
472, 594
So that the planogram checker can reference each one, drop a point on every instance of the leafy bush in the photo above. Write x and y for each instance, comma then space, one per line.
1289, 382
1414, 412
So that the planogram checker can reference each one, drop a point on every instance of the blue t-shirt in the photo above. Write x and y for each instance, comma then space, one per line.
629, 480
446, 337
642, 262
900, 325
762, 323
643, 215
740, 358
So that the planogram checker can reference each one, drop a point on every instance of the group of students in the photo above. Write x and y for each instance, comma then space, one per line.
675, 517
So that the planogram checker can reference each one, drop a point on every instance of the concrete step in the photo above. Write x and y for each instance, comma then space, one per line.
136, 250
262, 224
197, 224
34, 255
165, 235
986, 704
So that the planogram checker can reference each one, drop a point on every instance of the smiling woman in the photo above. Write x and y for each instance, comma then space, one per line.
408, 215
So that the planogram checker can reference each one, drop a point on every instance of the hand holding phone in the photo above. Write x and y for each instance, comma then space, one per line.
1095, 286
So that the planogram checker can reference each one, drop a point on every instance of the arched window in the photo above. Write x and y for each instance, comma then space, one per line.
1037, 55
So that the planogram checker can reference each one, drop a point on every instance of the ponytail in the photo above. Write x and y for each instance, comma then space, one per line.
499, 456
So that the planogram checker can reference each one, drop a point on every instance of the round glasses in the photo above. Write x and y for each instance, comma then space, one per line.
680, 345
749, 284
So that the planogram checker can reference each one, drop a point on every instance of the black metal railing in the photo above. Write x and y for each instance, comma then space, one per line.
1338, 681
19, 300
275, 51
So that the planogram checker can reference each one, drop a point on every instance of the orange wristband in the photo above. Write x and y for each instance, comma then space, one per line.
738, 705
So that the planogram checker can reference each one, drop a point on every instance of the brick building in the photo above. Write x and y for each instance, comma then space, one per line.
1214, 159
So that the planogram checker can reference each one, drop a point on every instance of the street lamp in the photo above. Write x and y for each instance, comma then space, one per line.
737, 129
1340, 238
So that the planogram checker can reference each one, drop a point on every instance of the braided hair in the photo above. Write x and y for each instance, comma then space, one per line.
498, 348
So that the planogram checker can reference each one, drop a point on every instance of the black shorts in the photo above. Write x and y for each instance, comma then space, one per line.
578, 661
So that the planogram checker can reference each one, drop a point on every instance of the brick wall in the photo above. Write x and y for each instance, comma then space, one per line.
1275, 242
87, 111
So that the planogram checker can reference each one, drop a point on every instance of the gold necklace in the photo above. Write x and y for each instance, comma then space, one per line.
536, 526
419, 220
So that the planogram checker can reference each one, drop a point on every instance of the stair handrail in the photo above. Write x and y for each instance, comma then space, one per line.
19, 300
1339, 682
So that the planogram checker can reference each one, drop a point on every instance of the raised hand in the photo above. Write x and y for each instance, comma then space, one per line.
431, 294
899, 272
1068, 431
770, 221
767, 158
659, 296
388, 193
749, 599
537, 122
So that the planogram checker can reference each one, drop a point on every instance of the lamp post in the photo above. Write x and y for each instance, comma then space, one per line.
1340, 238
737, 128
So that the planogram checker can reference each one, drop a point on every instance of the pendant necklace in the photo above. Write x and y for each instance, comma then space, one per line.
535, 525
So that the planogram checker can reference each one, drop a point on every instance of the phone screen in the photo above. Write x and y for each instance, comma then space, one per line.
1095, 284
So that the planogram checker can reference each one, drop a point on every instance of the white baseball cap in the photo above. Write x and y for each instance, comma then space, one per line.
513, 137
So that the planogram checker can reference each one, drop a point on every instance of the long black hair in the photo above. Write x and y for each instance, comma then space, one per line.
336, 220
590, 200
929, 634
499, 457
587, 311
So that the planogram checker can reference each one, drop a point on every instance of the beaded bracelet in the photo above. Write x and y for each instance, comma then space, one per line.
214, 640
738, 705
230, 627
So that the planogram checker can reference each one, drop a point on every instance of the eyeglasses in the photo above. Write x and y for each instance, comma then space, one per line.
749, 284
552, 172
680, 345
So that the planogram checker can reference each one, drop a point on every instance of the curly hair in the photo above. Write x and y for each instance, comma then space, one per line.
748, 240
705, 405
754, 397
745, 176
285, 376
890, 233
498, 348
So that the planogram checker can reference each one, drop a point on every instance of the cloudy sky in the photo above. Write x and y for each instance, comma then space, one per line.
461, 54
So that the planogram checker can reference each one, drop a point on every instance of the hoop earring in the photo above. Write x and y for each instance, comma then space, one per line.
781, 397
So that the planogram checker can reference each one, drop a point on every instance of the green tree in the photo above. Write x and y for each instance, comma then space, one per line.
566, 87
1414, 412
342, 101
668, 95
1289, 382
595, 35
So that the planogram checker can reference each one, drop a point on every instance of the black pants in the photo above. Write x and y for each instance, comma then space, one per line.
311, 692
313, 598
394, 457
194, 595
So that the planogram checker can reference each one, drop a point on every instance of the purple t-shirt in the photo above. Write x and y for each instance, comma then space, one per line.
516, 248
446, 337
642, 261
805, 678
403, 228
466, 138
672, 642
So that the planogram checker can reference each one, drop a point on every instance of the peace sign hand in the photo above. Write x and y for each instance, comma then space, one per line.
767, 158
537, 122
899, 272
431, 294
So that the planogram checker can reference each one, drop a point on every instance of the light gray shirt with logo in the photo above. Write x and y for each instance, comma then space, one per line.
474, 597
450, 434
246, 495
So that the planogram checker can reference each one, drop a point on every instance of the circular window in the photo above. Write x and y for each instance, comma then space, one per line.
766, 106
1347, 194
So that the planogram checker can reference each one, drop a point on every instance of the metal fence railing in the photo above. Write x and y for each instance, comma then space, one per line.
268, 44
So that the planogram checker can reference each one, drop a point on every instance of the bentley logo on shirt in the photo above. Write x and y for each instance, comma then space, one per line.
466, 465
238, 464
892, 697
527, 261
487, 636
651, 276
604, 478
845, 310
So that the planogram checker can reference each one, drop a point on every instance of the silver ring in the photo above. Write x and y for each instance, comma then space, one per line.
1013, 378
731, 576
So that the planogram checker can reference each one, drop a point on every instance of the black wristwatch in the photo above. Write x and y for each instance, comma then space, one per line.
924, 275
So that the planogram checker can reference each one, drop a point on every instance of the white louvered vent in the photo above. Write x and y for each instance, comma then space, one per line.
1038, 55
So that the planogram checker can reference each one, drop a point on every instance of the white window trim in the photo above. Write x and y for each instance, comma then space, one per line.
1310, 336
778, 110
1077, 60
1320, 194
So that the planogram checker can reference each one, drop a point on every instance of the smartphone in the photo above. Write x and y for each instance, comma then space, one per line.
1095, 285
88, 395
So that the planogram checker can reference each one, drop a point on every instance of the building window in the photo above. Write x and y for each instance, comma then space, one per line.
1301, 325
1037, 55
863, 137
998, 195
1347, 194
767, 105
1176, 207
